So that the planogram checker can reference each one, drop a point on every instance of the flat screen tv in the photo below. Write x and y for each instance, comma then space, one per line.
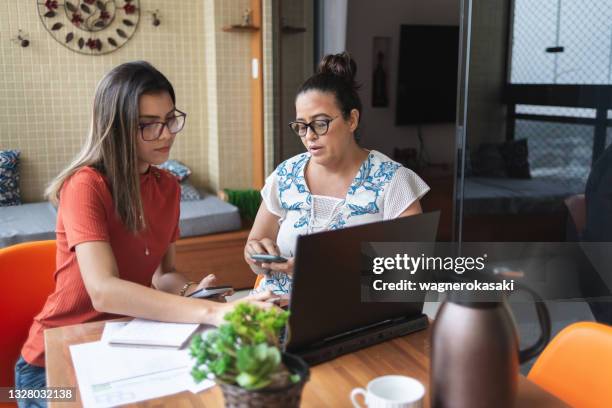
427, 74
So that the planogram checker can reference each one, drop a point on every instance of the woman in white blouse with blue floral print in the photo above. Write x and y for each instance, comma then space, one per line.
335, 184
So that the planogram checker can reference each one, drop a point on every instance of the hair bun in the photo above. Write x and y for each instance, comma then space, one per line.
341, 65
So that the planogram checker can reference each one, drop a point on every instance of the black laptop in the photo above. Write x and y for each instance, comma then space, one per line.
328, 317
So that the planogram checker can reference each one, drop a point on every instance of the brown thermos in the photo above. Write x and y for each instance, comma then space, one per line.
475, 352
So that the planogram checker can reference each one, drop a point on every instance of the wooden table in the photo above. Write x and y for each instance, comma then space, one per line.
330, 383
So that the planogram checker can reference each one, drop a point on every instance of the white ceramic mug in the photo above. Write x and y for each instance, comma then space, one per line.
391, 391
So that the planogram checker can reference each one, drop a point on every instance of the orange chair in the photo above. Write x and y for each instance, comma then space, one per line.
259, 278
27, 279
577, 365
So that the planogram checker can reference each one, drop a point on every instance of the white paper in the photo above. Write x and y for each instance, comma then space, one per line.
152, 333
109, 375
110, 328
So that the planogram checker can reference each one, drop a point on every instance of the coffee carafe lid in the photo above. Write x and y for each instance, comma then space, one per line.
474, 290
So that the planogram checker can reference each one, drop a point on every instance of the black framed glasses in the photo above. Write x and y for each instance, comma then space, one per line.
319, 127
153, 130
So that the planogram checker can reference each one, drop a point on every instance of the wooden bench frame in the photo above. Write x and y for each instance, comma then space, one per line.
221, 254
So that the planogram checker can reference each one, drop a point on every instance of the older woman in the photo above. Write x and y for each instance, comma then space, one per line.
335, 184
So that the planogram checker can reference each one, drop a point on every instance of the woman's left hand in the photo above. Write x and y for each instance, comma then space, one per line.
284, 267
208, 281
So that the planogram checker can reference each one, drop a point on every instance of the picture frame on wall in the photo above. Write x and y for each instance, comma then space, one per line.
381, 55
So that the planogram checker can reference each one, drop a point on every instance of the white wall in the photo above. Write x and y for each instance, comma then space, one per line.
368, 19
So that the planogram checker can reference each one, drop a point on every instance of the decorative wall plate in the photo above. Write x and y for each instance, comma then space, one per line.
92, 27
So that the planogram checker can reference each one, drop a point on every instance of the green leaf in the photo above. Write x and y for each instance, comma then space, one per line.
259, 337
275, 354
246, 380
265, 369
246, 360
262, 383
198, 375
261, 352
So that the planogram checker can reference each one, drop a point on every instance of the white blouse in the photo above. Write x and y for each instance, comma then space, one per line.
381, 190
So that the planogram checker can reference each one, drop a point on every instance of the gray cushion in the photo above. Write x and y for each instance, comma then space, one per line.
36, 221
207, 216
27, 222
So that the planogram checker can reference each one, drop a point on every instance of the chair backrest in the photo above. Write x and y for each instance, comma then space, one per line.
26, 272
576, 366
259, 278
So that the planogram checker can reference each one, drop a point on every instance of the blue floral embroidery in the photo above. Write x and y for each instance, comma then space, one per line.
339, 224
362, 176
280, 282
302, 222
373, 183
295, 177
386, 170
370, 208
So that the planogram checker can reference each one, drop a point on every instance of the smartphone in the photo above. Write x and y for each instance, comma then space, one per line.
210, 292
268, 258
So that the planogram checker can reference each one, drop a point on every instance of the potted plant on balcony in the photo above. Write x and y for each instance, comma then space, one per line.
244, 357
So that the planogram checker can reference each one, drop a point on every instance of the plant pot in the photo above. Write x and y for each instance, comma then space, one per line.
285, 397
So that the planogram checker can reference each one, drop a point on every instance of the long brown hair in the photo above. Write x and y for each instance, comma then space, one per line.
110, 146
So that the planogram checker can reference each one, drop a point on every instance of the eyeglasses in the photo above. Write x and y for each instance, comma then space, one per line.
153, 130
319, 127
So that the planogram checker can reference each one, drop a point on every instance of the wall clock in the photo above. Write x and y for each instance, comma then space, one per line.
92, 27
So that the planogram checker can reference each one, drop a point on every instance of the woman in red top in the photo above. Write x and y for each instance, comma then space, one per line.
118, 219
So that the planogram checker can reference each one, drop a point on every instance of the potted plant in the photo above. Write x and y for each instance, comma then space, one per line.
244, 357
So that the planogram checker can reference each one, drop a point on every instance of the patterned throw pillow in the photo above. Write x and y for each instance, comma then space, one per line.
9, 178
488, 161
178, 169
189, 192
516, 158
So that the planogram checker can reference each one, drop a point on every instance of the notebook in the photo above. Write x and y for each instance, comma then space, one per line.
140, 332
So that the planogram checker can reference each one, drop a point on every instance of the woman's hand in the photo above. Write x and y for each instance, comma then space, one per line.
262, 246
266, 246
262, 300
284, 267
207, 282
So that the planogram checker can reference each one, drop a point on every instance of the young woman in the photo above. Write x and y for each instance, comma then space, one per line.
118, 220
336, 184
